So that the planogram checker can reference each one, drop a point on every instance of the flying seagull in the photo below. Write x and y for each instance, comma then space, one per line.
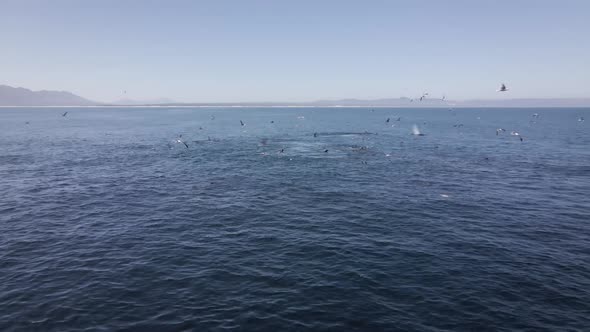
183, 142
502, 88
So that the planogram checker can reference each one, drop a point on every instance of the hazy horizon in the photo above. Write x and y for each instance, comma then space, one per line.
226, 51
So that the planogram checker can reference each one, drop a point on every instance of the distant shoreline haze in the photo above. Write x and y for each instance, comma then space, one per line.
22, 97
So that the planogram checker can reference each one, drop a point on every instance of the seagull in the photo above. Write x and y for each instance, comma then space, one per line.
581, 119
212, 117
272, 121
499, 130
515, 133
387, 120
502, 88
326, 150
458, 125
65, 113
179, 140
535, 115
242, 123
282, 150
315, 134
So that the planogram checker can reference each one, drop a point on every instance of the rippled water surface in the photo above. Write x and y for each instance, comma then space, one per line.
108, 223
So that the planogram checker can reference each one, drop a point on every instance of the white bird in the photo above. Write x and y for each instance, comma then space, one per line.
502, 88
500, 130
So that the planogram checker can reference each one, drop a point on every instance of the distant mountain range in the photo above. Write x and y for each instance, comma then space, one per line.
10, 96
143, 102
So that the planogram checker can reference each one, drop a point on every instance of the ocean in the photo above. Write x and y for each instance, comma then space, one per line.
302, 219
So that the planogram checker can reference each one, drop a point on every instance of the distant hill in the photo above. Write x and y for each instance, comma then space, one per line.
403, 102
143, 102
10, 96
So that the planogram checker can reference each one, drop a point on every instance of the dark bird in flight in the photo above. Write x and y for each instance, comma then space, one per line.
64, 114
326, 150
502, 88
387, 120
315, 134
242, 123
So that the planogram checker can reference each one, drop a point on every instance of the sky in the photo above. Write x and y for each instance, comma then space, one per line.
282, 50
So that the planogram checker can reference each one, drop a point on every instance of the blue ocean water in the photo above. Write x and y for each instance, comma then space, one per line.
107, 223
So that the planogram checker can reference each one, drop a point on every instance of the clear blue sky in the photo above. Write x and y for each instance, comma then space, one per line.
283, 50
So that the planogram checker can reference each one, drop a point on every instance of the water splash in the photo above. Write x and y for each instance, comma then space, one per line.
416, 131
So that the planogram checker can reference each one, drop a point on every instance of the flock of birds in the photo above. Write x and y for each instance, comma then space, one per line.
415, 129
